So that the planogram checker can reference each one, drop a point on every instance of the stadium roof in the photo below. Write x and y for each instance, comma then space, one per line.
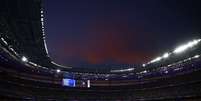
22, 29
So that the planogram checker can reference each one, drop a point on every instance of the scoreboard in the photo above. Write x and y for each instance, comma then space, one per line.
76, 83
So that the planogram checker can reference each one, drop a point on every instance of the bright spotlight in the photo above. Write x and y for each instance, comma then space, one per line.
24, 59
166, 72
157, 59
196, 56
58, 70
166, 55
145, 71
183, 48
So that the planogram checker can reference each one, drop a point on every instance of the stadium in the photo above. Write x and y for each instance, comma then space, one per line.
29, 74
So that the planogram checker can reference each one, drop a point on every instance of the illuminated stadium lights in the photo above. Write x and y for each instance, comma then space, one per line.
42, 19
58, 70
178, 50
183, 48
24, 59
166, 72
130, 69
123, 70
157, 59
166, 55
88, 83
124, 76
144, 72
4, 41
196, 56
33, 63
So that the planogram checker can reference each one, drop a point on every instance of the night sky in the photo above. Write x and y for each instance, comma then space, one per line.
92, 32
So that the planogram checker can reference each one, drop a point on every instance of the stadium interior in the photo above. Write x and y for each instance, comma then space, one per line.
27, 72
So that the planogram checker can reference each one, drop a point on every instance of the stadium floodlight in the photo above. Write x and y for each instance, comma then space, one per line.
58, 70
183, 48
4, 41
166, 72
196, 56
157, 59
145, 71
129, 69
88, 83
166, 55
24, 59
